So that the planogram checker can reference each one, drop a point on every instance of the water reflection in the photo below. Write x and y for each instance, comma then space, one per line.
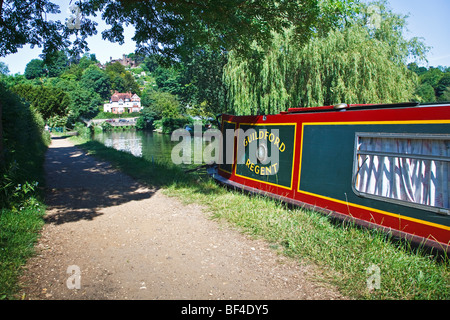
150, 145
125, 141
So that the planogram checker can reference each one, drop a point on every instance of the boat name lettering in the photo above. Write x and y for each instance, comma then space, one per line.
263, 171
264, 134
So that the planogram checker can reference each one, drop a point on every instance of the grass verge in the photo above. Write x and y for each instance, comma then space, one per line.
351, 257
19, 230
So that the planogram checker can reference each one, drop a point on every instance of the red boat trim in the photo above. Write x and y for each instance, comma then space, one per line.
420, 231
426, 241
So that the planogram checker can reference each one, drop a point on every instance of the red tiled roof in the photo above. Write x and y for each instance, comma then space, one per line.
117, 96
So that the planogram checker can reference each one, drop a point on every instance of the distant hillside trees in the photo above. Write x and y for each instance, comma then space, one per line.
434, 83
35, 69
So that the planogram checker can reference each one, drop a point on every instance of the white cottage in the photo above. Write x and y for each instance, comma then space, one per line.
123, 103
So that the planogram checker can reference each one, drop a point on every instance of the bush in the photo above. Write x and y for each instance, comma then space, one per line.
21, 174
82, 130
171, 124
106, 126
24, 140
57, 121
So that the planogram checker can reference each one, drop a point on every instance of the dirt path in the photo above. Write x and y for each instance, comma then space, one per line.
127, 241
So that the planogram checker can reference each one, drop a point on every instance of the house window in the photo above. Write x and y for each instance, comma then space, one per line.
407, 169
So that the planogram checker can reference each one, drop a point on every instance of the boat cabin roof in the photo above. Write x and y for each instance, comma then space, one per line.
343, 106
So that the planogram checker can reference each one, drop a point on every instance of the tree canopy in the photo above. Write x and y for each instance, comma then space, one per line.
354, 62
434, 83
237, 56
162, 26
35, 69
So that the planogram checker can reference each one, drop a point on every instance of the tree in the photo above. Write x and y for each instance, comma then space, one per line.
203, 77
416, 69
170, 27
425, 93
84, 103
446, 95
164, 105
25, 22
434, 82
57, 63
95, 79
4, 70
168, 79
146, 119
35, 69
432, 77
121, 79
442, 85
130, 83
49, 101
352, 63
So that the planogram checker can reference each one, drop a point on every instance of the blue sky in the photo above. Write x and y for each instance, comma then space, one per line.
428, 19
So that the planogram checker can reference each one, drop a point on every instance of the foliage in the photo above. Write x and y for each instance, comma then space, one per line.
21, 175
168, 125
35, 69
106, 126
169, 79
442, 85
57, 63
354, 63
24, 141
57, 121
23, 22
164, 105
172, 28
121, 80
204, 89
146, 120
446, 94
49, 101
434, 83
95, 79
84, 103
4, 70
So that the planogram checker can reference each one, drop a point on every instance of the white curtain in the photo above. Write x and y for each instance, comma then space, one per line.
414, 180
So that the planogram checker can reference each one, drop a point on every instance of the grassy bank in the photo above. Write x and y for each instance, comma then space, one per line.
21, 196
345, 252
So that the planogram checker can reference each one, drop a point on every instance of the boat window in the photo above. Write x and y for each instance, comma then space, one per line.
404, 168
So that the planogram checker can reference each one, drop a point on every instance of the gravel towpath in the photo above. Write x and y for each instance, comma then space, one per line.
108, 237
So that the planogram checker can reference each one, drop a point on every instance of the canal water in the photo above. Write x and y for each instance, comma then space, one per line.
150, 145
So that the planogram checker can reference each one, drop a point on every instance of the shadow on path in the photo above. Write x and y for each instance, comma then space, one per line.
79, 185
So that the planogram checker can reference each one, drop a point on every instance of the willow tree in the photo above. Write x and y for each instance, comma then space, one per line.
353, 63
349, 66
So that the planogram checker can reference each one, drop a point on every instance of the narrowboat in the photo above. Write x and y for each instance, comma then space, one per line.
382, 166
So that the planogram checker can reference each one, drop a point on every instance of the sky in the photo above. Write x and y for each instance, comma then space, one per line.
427, 19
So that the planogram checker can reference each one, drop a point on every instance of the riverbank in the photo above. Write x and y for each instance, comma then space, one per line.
348, 255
